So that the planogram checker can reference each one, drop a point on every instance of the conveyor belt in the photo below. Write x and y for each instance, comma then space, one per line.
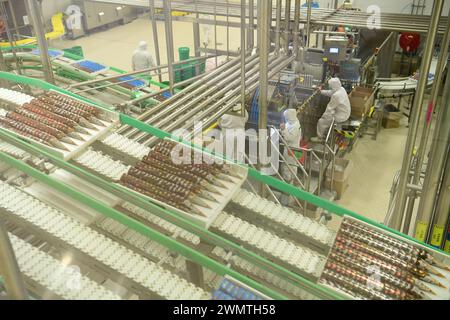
125, 145
14, 97
274, 280
165, 225
102, 164
302, 260
151, 248
286, 218
97, 246
54, 276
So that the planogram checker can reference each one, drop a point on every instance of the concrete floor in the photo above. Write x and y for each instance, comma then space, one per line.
115, 46
375, 162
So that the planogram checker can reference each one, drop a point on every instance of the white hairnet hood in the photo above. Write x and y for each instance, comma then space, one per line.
142, 45
290, 115
334, 84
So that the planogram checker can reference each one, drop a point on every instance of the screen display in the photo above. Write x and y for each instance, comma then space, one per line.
334, 50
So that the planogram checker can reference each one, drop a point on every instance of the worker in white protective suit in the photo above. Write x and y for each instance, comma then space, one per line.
74, 14
207, 30
142, 59
292, 134
338, 109
233, 134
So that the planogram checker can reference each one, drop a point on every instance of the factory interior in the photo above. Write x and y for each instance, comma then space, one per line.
224, 150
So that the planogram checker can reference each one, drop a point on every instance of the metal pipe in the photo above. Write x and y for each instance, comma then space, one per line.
199, 113
169, 40
196, 105
251, 24
308, 22
416, 111
252, 85
155, 35
296, 26
243, 5
39, 31
211, 93
435, 167
287, 26
441, 215
264, 62
15, 287
183, 94
278, 27
442, 59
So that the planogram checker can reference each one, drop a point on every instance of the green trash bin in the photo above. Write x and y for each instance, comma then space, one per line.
183, 53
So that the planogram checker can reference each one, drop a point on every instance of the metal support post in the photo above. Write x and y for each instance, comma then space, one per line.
9, 269
155, 36
251, 25
435, 167
278, 27
296, 33
243, 19
308, 23
442, 59
287, 30
415, 116
38, 26
441, 215
169, 40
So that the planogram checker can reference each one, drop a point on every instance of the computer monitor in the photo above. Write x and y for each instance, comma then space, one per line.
334, 50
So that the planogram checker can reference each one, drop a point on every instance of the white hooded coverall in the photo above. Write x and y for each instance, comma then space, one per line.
141, 58
233, 135
292, 135
338, 108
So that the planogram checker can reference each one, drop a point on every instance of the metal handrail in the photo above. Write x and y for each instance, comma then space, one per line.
265, 185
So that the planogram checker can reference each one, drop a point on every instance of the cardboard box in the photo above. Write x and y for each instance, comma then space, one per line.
392, 119
361, 100
342, 169
339, 186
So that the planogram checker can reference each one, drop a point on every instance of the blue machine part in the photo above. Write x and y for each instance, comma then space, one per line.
51, 53
314, 5
229, 290
91, 66
136, 83
274, 118
166, 94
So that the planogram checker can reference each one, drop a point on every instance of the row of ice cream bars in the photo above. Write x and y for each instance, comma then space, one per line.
51, 119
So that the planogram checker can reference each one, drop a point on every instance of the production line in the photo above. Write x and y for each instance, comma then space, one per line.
219, 181
279, 234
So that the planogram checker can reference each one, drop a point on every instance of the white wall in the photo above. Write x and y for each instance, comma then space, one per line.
388, 6
50, 7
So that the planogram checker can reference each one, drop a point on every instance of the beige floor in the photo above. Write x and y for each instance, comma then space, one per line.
115, 46
375, 162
